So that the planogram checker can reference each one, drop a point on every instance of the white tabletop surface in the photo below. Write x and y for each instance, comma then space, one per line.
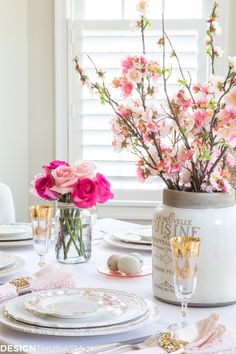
87, 276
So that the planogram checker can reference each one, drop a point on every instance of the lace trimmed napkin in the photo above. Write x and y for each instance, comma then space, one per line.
49, 277
207, 336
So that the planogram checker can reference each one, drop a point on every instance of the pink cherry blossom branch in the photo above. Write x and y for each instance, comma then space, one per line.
187, 85
142, 34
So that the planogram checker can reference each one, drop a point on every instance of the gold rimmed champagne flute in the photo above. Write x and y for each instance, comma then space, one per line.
41, 219
185, 253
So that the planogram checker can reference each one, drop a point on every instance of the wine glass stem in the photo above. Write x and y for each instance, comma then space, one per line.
184, 309
41, 260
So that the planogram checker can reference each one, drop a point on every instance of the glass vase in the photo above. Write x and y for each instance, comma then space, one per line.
73, 234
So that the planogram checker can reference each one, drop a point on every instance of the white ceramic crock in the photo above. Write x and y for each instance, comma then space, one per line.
212, 217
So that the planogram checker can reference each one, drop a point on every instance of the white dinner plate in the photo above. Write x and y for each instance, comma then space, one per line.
15, 232
131, 238
71, 304
111, 240
22, 237
19, 264
151, 315
11, 230
6, 261
19, 243
124, 307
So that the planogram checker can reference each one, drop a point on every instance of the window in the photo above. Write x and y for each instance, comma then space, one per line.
101, 29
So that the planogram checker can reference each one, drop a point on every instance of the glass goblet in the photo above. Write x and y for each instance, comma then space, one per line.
41, 219
185, 253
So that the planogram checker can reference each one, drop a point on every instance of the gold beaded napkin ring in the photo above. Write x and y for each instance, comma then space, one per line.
22, 285
167, 342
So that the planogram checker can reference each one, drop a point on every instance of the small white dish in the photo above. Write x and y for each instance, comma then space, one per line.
68, 305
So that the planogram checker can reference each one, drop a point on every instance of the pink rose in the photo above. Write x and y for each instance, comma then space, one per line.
85, 169
43, 187
85, 193
103, 189
53, 165
65, 179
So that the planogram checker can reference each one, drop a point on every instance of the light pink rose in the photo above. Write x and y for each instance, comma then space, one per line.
65, 179
53, 165
85, 169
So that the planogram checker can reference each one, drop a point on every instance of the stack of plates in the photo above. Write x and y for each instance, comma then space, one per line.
139, 239
15, 235
9, 264
78, 312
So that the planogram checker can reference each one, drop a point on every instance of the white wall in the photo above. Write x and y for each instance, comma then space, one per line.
26, 94
13, 101
40, 85
232, 28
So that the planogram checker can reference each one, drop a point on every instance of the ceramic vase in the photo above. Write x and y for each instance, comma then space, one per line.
210, 216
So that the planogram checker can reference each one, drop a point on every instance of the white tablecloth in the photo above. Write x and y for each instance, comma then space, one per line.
87, 276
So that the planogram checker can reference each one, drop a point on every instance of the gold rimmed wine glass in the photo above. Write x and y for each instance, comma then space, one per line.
185, 254
41, 220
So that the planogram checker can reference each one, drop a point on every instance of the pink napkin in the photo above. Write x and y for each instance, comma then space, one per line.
207, 336
49, 277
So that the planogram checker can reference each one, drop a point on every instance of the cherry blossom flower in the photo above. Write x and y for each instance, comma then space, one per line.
232, 62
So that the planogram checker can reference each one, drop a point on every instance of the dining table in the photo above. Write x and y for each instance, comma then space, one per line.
87, 275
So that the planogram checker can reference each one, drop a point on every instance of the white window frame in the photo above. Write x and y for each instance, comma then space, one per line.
121, 209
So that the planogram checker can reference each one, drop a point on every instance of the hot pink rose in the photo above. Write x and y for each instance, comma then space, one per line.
85, 193
43, 187
85, 169
65, 179
103, 189
53, 165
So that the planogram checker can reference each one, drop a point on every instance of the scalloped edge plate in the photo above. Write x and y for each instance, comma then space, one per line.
151, 316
